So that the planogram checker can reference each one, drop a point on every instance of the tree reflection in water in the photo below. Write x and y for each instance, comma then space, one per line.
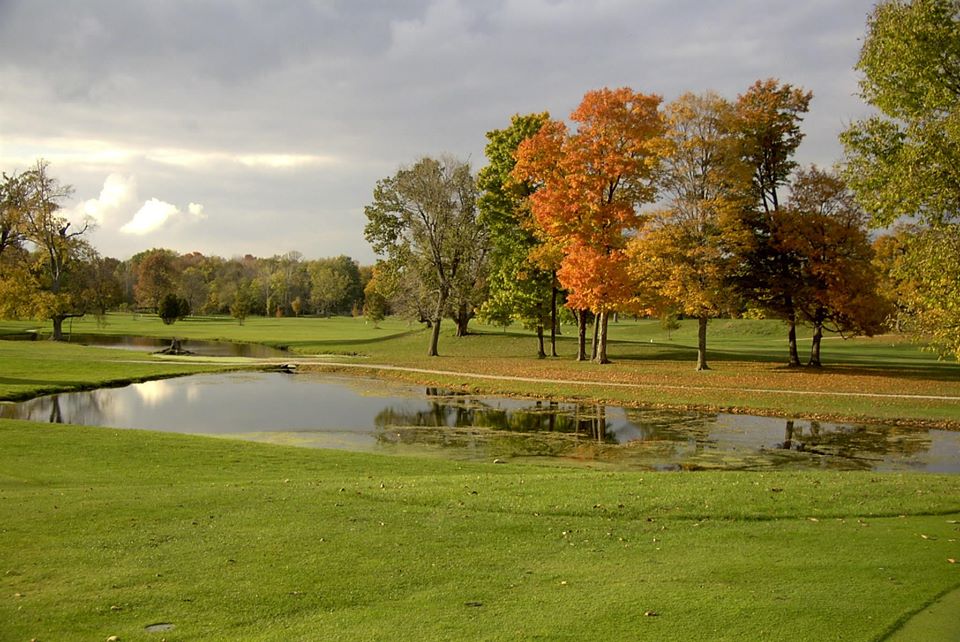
854, 442
650, 438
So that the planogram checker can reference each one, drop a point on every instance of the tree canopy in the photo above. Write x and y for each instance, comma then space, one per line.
905, 161
425, 217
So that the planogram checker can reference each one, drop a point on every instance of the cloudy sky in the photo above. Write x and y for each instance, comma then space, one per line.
233, 127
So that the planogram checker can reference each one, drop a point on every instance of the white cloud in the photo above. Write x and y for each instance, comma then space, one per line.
156, 214
118, 190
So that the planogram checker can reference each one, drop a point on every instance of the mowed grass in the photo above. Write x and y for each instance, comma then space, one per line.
31, 368
884, 378
105, 532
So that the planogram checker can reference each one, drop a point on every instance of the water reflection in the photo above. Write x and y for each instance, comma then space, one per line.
367, 414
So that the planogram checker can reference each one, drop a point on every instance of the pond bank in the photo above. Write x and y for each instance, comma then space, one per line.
486, 384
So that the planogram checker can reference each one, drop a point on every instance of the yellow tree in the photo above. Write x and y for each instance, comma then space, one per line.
679, 253
591, 183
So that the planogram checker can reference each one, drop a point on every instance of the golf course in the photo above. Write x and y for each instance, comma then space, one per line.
147, 535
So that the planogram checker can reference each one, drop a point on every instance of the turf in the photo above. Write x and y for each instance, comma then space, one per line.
108, 531
31, 368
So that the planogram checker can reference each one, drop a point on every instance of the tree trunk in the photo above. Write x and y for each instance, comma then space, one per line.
541, 354
792, 339
702, 343
815, 345
463, 320
581, 335
596, 338
553, 318
437, 318
788, 435
603, 320
57, 327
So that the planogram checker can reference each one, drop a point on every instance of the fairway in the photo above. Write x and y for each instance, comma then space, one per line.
107, 532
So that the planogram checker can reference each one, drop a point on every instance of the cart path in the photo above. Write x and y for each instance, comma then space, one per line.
938, 621
616, 384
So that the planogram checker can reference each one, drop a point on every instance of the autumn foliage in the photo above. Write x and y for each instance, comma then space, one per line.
591, 184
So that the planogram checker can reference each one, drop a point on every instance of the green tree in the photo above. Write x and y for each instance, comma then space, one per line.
903, 161
425, 216
173, 308
334, 285
924, 271
521, 288
243, 302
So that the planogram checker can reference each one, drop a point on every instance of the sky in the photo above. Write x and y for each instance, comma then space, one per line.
234, 127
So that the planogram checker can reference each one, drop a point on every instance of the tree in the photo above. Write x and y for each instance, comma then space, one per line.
13, 202
838, 282
374, 302
106, 291
242, 302
922, 269
58, 247
680, 253
18, 284
425, 218
903, 161
173, 308
334, 285
590, 184
158, 274
522, 289
766, 124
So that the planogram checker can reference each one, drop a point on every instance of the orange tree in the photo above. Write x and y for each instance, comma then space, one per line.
590, 185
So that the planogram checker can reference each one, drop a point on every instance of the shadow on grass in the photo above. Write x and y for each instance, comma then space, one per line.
905, 366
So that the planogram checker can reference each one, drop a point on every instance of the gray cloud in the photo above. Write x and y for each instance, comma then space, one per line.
280, 117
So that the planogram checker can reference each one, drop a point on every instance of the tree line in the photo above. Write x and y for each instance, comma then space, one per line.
48, 269
698, 208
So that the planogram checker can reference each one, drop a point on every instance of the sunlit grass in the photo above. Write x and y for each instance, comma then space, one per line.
108, 531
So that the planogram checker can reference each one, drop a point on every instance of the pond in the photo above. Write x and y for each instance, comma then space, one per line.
154, 344
381, 416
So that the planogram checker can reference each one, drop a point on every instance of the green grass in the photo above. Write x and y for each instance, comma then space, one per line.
107, 531
296, 333
31, 368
